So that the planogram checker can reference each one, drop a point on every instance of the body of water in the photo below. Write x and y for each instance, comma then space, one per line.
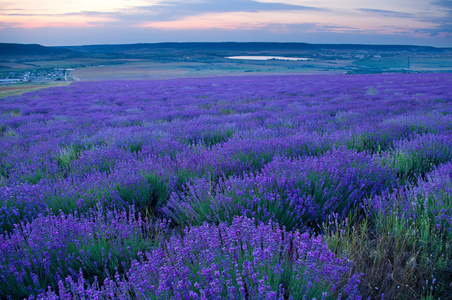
258, 57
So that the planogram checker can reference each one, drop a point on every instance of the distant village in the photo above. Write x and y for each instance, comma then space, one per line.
38, 76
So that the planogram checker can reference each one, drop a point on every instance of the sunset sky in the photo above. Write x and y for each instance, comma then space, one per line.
82, 22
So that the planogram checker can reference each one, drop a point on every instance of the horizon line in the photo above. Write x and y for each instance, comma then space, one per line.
236, 42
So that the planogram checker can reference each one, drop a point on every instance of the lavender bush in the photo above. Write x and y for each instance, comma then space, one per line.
295, 192
240, 261
407, 235
419, 155
41, 253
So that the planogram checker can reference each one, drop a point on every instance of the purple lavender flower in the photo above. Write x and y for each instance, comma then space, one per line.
298, 193
41, 253
234, 261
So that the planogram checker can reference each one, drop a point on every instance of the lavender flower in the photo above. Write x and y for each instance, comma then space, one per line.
240, 261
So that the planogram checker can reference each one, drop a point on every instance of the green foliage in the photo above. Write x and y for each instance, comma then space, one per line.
372, 91
411, 158
255, 161
68, 154
211, 138
85, 202
136, 147
147, 194
227, 111
206, 106
34, 177
370, 141
401, 257
10, 133
217, 137
5, 169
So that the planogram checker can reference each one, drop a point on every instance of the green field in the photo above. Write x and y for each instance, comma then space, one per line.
146, 69
438, 64
21, 88
65, 63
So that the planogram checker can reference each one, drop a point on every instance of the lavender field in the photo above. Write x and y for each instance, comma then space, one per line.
271, 187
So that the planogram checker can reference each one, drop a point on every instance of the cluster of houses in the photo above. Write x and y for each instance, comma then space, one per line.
43, 75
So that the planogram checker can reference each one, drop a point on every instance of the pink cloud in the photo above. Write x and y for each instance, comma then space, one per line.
64, 21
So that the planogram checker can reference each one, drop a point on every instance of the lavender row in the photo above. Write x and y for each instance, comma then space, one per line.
39, 254
297, 193
237, 261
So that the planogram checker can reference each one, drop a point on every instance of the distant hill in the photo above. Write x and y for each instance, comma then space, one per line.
239, 47
7, 49
155, 50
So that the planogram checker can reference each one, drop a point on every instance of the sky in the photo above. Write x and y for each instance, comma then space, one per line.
84, 22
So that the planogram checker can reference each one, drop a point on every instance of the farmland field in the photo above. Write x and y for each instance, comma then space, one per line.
252, 187
420, 64
20, 88
144, 69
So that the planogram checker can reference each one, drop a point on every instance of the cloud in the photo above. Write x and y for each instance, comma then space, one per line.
69, 20
443, 23
388, 13
443, 3
231, 18
328, 21
176, 10
158, 11
441, 30
228, 6
236, 20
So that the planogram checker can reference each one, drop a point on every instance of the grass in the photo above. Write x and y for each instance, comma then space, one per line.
212, 138
75, 62
404, 244
411, 158
433, 63
384, 63
67, 154
412, 63
21, 88
147, 194
401, 257
163, 70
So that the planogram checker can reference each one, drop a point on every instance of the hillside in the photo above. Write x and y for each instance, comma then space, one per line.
245, 47
17, 50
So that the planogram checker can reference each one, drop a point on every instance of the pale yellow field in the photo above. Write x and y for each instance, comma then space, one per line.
157, 70
19, 89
